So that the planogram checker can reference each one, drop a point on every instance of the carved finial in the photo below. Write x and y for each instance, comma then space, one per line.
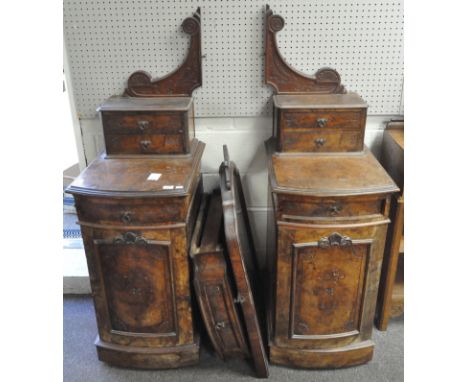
286, 80
181, 82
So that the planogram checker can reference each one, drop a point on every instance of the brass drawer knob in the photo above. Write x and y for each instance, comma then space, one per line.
220, 325
321, 122
334, 210
319, 142
143, 125
145, 144
126, 217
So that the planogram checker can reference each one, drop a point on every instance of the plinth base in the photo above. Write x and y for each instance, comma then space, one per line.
148, 358
345, 356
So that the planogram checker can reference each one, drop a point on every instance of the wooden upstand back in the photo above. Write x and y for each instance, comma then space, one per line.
330, 203
137, 205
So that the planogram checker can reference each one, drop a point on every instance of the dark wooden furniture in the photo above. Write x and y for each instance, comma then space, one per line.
391, 292
319, 123
213, 281
226, 276
137, 205
330, 203
143, 126
243, 260
136, 234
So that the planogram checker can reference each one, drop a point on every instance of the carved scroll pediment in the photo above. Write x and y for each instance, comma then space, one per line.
286, 80
181, 82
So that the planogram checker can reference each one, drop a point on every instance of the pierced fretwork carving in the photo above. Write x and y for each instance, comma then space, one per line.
184, 80
285, 79
335, 239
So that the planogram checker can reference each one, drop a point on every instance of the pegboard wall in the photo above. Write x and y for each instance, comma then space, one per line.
108, 40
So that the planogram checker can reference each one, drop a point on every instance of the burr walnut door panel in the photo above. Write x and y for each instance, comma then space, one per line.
137, 278
327, 286
140, 283
323, 285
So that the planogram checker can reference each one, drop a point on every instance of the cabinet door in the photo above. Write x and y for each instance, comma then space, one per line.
323, 285
137, 277
140, 282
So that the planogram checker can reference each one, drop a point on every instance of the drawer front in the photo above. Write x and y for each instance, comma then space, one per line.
320, 140
324, 130
146, 133
326, 284
143, 123
216, 301
291, 207
146, 144
134, 212
322, 119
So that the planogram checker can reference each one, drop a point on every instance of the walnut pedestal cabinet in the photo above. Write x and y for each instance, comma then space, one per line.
330, 202
136, 232
328, 233
137, 205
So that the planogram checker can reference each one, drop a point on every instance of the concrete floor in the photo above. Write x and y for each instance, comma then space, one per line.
80, 362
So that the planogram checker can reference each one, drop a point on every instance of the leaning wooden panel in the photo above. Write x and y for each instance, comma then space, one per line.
243, 260
213, 283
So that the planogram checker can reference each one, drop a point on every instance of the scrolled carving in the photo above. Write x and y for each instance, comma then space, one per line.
181, 82
276, 23
191, 26
327, 75
130, 238
335, 239
286, 80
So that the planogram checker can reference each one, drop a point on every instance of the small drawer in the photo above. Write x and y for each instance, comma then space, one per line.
138, 132
130, 212
143, 123
300, 207
344, 119
320, 140
146, 144
321, 130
